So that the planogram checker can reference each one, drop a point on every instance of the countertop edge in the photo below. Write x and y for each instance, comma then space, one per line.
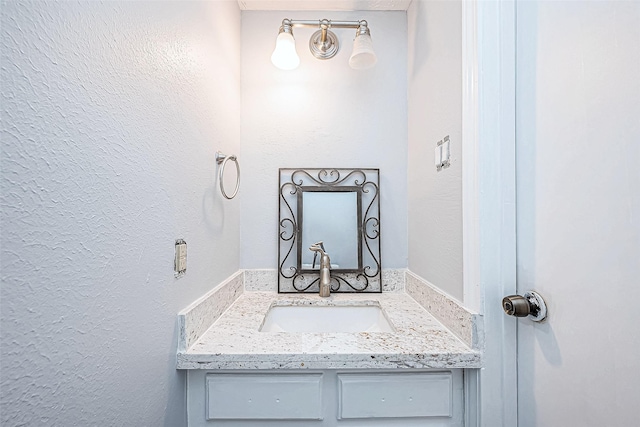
467, 360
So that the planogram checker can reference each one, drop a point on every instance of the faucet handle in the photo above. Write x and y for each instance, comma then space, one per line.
319, 244
317, 247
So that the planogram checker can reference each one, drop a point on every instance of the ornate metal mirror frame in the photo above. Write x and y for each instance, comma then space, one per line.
293, 275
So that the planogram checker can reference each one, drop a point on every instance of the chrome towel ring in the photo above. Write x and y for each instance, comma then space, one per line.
222, 159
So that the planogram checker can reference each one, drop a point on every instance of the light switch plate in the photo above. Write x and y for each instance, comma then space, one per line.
444, 146
446, 150
437, 155
180, 262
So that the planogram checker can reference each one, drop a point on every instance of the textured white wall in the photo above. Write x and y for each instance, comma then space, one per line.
111, 115
578, 175
323, 114
435, 110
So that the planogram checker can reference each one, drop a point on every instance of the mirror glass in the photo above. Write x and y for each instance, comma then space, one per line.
332, 218
341, 209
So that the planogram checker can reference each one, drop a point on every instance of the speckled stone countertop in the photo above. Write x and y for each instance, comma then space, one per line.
235, 341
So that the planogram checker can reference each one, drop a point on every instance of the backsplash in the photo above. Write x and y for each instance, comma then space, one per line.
202, 313
465, 324
267, 280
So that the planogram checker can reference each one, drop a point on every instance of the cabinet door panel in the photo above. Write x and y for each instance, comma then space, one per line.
264, 396
404, 395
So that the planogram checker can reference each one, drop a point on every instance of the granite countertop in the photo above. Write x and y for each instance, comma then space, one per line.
235, 341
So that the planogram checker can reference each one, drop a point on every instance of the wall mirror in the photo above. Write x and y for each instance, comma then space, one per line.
340, 208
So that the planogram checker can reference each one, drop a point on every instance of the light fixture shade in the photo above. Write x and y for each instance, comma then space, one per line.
362, 56
284, 55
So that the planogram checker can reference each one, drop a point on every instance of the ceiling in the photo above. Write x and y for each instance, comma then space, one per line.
324, 4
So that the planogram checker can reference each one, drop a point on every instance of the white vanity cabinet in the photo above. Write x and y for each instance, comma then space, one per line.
238, 374
365, 397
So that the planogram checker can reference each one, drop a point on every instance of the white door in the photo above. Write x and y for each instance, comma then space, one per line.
578, 211
573, 117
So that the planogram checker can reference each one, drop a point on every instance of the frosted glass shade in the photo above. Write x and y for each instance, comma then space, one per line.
284, 55
362, 56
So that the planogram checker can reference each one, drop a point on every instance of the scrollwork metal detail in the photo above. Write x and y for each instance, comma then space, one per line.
293, 277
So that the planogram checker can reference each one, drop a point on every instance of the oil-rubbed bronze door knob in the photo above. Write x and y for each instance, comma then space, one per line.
531, 304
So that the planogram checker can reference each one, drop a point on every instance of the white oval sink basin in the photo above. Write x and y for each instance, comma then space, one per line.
322, 318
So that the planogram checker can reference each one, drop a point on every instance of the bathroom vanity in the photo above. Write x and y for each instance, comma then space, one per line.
399, 367
338, 342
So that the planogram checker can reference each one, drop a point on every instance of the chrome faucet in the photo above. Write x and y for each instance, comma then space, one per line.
325, 268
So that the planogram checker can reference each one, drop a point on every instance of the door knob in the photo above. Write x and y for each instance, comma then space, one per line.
531, 304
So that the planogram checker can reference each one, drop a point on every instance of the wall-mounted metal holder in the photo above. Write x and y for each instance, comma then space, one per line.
222, 160
531, 305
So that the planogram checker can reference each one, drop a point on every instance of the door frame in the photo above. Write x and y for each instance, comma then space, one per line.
489, 203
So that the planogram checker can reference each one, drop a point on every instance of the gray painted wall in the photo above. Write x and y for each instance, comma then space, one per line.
323, 114
435, 110
111, 115
578, 175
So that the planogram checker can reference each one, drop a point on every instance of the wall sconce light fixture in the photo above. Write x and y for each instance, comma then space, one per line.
324, 44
